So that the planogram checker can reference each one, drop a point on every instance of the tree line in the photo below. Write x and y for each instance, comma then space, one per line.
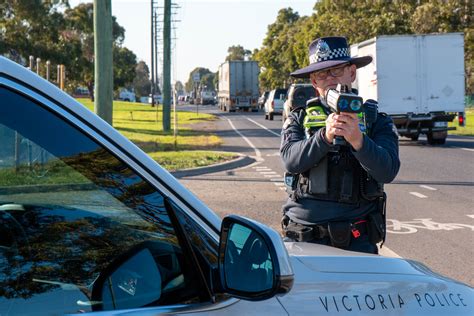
52, 30
285, 47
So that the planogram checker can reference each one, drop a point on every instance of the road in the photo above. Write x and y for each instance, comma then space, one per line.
430, 213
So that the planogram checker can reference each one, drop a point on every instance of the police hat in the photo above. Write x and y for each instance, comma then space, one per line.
328, 52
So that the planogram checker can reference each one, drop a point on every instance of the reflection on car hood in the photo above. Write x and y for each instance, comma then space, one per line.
332, 281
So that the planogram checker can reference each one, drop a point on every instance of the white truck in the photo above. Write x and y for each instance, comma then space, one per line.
238, 86
207, 97
418, 81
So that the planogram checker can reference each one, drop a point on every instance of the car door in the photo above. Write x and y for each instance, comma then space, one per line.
88, 222
72, 205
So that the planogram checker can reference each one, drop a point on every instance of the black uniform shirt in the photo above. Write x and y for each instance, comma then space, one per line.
378, 156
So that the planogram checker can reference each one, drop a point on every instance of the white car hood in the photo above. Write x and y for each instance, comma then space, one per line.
332, 281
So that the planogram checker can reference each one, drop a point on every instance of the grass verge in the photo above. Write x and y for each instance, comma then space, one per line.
143, 125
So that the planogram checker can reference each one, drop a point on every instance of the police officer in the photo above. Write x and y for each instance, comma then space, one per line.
336, 191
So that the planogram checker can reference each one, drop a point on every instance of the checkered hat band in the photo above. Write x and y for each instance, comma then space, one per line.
333, 54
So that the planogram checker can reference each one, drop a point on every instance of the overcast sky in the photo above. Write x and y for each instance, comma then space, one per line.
207, 28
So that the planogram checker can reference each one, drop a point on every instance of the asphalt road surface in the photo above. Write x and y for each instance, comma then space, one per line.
430, 211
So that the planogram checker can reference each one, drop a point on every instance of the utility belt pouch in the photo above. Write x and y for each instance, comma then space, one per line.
376, 227
318, 178
340, 234
298, 232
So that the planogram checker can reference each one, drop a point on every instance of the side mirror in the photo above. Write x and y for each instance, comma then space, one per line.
253, 261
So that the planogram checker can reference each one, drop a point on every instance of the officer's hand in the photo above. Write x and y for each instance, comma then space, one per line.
346, 125
330, 128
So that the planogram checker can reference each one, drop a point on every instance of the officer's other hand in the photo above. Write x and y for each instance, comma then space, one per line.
346, 125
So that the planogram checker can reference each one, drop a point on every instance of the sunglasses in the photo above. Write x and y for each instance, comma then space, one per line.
334, 72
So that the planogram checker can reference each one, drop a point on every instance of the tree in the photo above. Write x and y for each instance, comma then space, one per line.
276, 56
207, 81
179, 87
141, 82
237, 53
190, 85
33, 28
80, 31
125, 62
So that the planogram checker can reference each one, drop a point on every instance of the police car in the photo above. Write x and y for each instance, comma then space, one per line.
90, 224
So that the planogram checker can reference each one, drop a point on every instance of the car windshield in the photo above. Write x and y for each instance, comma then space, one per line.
68, 209
280, 93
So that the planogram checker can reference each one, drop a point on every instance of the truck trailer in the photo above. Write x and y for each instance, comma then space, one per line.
238, 86
418, 80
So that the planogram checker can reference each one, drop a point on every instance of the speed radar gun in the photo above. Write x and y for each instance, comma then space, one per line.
342, 99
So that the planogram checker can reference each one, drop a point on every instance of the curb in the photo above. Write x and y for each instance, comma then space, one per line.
241, 161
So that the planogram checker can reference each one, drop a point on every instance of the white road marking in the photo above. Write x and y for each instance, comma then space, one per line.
471, 216
421, 196
428, 187
274, 154
386, 252
265, 128
282, 188
276, 180
267, 172
468, 149
257, 152
270, 175
279, 183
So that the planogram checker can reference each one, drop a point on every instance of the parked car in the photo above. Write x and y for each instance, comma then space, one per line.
126, 95
274, 103
262, 99
91, 223
158, 99
298, 94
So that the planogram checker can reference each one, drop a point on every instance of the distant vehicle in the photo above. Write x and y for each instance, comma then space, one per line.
126, 95
274, 103
418, 81
207, 97
81, 92
238, 86
158, 99
262, 99
298, 94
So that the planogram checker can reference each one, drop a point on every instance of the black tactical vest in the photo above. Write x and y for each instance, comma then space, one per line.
339, 177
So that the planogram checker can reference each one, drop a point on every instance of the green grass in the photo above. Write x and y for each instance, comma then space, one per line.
143, 125
468, 129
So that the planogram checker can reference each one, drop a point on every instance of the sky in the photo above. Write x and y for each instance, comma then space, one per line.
206, 28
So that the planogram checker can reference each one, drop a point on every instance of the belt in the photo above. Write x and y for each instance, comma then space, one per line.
301, 232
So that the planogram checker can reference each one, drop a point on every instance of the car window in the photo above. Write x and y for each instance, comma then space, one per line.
68, 209
280, 93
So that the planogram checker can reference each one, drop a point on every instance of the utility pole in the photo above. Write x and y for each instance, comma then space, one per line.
152, 90
103, 70
167, 67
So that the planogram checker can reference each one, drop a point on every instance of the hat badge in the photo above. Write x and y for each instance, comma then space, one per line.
322, 49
